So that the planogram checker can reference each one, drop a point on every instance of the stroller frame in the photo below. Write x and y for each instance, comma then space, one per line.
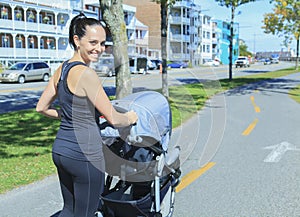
143, 182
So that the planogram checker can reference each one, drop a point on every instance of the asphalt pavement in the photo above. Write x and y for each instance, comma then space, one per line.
43, 198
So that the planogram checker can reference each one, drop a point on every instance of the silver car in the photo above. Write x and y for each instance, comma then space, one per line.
106, 67
26, 71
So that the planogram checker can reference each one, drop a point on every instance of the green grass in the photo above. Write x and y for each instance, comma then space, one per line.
27, 137
25, 148
295, 94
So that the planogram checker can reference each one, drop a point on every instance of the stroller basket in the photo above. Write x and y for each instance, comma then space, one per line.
119, 203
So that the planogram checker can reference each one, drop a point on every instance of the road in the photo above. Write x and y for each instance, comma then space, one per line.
14, 96
240, 155
255, 169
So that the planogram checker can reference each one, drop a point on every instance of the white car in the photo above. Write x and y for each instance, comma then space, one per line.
212, 63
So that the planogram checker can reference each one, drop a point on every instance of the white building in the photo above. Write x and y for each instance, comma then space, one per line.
184, 25
39, 29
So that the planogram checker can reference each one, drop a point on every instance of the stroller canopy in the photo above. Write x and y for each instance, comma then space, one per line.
153, 110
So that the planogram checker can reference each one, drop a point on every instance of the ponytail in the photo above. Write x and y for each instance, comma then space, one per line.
78, 27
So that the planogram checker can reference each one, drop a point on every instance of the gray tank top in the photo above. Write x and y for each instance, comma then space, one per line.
79, 135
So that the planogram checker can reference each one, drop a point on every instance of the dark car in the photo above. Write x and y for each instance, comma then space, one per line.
178, 65
267, 61
26, 71
157, 63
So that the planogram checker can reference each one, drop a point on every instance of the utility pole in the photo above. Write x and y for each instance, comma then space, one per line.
231, 42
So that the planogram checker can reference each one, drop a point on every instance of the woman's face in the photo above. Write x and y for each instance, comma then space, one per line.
92, 44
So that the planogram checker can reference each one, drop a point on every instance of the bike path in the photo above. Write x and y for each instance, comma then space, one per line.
43, 198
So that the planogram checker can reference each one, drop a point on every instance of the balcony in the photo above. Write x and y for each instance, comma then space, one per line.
179, 37
195, 14
193, 30
33, 27
180, 4
179, 20
140, 41
22, 53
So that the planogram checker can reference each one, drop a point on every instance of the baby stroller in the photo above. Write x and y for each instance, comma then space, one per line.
141, 172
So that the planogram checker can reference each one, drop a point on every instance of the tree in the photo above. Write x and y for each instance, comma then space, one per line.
244, 50
233, 4
164, 4
113, 15
284, 22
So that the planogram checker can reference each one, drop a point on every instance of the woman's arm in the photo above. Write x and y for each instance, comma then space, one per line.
95, 92
48, 96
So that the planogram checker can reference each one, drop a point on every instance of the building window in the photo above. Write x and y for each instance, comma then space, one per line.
207, 48
42, 44
208, 35
5, 40
4, 13
18, 15
19, 42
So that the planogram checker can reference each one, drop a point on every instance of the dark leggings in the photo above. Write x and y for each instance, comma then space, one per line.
81, 186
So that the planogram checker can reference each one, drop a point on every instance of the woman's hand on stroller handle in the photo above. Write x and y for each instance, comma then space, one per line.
132, 117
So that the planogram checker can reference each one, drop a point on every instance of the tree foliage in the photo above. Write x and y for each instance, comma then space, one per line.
284, 21
233, 3
244, 50
113, 15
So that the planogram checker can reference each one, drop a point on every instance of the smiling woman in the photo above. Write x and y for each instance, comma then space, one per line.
77, 148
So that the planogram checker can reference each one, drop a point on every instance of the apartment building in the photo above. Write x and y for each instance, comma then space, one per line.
148, 12
137, 32
206, 39
183, 25
39, 30
221, 40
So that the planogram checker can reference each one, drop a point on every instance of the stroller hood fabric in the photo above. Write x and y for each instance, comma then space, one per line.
154, 116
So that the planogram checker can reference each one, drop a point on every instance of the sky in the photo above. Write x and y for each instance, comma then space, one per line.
250, 19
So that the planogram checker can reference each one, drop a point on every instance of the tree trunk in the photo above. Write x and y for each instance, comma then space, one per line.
164, 29
113, 15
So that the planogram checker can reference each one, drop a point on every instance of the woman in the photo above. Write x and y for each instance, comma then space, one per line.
77, 149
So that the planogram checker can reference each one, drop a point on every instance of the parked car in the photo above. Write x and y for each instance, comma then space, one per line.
275, 60
151, 65
26, 71
138, 65
242, 61
179, 65
105, 67
267, 61
212, 63
157, 62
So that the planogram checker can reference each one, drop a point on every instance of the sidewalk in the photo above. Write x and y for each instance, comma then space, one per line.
41, 199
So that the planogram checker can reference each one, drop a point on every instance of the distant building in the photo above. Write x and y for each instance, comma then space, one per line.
39, 30
36, 30
183, 29
221, 40
207, 37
